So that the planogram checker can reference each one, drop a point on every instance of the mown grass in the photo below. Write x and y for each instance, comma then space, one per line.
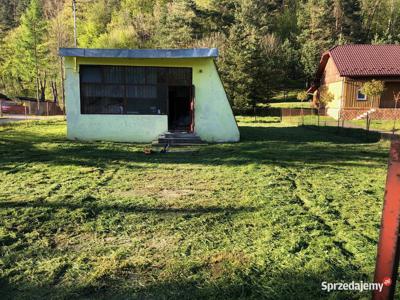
270, 217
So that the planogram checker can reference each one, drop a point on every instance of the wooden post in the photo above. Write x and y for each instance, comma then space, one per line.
25, 109
1, 108
47, 108
387, 261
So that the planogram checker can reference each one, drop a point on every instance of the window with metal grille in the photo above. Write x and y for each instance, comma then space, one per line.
129, 90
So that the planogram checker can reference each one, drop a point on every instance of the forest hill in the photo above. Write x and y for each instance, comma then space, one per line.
264, 47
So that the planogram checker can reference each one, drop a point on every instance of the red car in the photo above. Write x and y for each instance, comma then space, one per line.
12, 108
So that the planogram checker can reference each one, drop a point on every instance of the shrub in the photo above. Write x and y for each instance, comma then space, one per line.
373, 88
302, 96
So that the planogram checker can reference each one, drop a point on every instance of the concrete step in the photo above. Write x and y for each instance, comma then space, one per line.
157, 144
178, 139
364, 114
173, 141
179, 135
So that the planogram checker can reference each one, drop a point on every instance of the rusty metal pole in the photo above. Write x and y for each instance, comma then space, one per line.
387, 261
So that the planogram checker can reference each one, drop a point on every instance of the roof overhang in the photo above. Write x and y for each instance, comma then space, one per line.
321, 67
140, 53
322, 64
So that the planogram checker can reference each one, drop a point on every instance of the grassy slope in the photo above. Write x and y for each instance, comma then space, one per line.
291, 101
272, 216
297, 104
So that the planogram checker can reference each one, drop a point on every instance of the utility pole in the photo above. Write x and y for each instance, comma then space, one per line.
74, 13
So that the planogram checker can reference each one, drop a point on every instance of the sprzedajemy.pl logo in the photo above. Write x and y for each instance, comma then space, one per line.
360, 286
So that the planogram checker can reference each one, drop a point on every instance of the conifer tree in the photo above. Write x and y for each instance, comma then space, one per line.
177, 24
32, 51
316, 23
252, 60
351, 23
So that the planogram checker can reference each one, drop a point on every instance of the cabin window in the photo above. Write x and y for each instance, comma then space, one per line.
129, 90
361, 96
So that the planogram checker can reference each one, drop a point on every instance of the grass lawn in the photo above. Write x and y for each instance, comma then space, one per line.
385, 125
270, 217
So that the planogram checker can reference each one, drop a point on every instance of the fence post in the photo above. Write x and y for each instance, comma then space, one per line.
1, 108
25, 109
47, 108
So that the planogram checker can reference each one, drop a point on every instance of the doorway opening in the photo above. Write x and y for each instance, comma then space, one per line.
180, 112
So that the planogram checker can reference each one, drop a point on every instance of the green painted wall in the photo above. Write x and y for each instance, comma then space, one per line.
214, 120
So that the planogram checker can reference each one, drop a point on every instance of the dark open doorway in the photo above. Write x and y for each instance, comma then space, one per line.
180, 113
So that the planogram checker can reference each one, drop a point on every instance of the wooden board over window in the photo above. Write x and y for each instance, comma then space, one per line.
129, 90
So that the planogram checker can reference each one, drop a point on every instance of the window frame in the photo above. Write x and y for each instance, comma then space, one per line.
358, 94
125, 85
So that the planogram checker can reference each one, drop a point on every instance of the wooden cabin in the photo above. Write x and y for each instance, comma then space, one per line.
343, 70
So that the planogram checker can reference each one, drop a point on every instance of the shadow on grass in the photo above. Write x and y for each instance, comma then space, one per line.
91, 204
357, 133
258, 145
250, 283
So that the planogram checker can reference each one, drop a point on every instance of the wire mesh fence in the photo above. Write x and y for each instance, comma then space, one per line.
378, 120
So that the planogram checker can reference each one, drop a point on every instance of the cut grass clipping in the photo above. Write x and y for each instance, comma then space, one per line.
270, 217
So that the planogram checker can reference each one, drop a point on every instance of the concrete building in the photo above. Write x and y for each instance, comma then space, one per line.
138, 95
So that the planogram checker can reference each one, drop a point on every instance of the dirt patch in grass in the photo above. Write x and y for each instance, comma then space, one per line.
173, 194
156, 192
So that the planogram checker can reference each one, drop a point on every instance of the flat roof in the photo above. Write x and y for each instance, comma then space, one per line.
140, 53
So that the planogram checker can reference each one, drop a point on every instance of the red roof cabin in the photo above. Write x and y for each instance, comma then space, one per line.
342, 72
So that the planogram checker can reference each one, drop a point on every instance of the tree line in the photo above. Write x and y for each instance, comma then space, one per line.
265, 45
